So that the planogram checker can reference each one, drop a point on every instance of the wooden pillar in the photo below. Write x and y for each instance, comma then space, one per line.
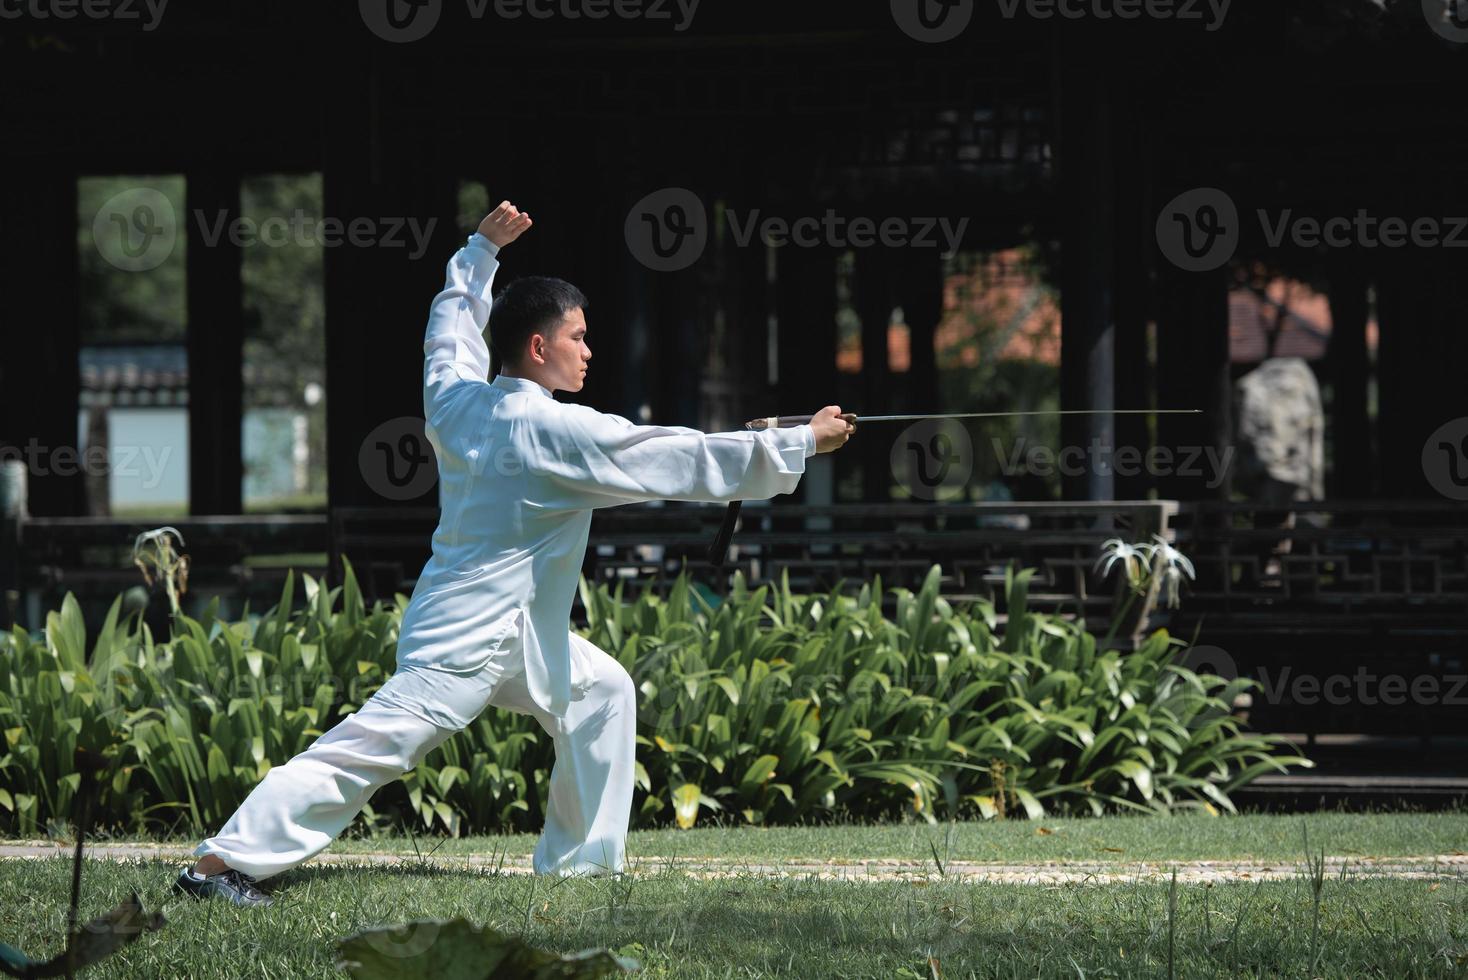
1088, 272
683, 305
384, 163
1133, 381
216, 334
805, 294
874, 297
627, 302
627, 288
1421, 294
40, 369
753, 329
1350, 374
920, 293
1193, 372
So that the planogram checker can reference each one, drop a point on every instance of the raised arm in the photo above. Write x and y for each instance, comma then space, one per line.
454, 350
591, 459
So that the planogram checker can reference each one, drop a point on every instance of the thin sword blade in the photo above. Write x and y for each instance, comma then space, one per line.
999, 415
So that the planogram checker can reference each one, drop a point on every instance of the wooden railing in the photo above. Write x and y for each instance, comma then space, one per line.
817, 547
1379, 587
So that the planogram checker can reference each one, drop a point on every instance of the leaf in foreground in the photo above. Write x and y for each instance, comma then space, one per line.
456, 949
89, 944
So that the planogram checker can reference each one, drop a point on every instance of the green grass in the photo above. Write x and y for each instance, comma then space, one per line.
1139, 838
687, 928
1264, 837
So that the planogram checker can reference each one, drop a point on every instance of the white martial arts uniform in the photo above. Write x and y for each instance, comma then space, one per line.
488, 624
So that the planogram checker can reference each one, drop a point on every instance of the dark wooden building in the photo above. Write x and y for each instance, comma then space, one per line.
1072, 131
1064, 125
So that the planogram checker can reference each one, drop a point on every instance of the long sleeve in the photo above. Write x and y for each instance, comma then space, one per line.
454, 350
592, 459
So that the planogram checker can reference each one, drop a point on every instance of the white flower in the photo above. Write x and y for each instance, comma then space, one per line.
1135, 558
1174, 566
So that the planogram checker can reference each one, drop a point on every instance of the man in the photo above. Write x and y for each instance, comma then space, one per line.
519, 475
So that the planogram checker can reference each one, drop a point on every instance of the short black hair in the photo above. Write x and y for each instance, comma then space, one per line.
526, 306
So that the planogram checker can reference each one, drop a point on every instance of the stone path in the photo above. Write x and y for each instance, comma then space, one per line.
1447, 867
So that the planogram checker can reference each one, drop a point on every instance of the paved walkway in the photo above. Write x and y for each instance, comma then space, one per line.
1452, 867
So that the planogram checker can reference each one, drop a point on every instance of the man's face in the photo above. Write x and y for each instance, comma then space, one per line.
561, 359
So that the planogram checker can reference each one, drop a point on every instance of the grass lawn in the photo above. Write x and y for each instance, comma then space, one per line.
678, 926
1123, 839
681, 926
1264, 837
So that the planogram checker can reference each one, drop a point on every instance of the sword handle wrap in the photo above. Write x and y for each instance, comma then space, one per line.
789, 421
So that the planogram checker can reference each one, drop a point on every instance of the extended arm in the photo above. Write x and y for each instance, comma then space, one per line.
596, 460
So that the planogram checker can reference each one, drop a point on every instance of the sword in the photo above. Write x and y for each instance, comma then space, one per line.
786, 421
719, 550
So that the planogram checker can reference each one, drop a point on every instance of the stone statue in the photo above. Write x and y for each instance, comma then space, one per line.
1280, 432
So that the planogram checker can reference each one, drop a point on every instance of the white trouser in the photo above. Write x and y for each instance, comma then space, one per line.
301, 806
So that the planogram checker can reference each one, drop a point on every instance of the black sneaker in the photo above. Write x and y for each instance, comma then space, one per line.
234, 886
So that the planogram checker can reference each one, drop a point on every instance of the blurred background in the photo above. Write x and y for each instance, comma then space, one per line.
222, 223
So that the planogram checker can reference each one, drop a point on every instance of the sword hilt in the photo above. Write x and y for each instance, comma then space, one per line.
787, 421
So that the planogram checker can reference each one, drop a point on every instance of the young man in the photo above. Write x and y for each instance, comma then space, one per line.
519, 475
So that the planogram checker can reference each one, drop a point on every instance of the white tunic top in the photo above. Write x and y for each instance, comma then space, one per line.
519, 475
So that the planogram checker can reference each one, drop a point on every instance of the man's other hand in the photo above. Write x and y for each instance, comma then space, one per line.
505, 224
831, 429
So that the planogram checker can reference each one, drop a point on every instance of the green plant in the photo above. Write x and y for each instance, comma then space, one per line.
763, 706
